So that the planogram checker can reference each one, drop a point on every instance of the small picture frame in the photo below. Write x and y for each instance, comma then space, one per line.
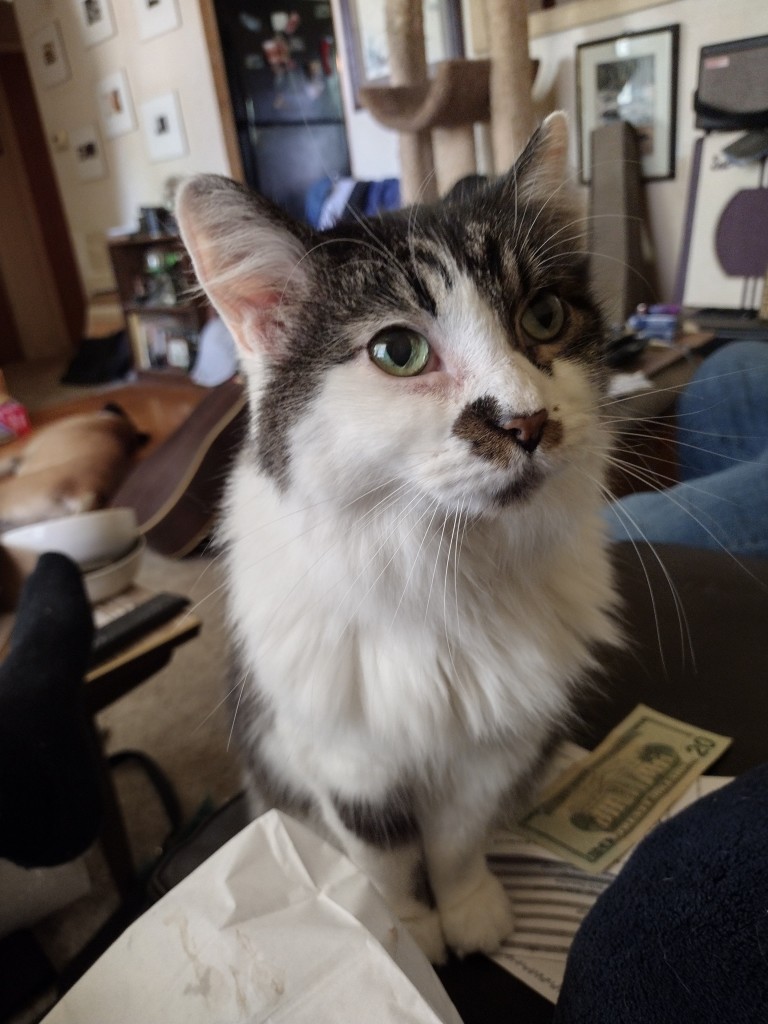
631, 78
48, 56
88, 153
156, 17
115, 104
163, 127
96, 20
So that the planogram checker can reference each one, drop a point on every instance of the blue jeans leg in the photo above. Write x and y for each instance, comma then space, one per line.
722, 501
722, 416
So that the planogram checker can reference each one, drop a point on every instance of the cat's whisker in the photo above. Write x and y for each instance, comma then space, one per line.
581, 223
464, 519
241, 686
666, 493
454, 536
434, 507
564, 185
358, 528
674, 389
652, 480
388, 501
219, 703
694, 447
365, 224
654, 606
401, 515
446, 516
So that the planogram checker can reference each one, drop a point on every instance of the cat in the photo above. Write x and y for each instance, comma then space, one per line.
72, 465
416, 565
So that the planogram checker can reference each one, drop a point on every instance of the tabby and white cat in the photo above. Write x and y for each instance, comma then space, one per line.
416, 563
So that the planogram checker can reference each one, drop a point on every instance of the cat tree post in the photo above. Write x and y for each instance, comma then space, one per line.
512, 116
448, 105
408, 67
461, 94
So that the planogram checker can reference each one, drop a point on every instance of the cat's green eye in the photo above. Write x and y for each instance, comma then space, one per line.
543, 317
399, 351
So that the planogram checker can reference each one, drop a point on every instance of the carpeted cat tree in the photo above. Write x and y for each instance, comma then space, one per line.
435, 117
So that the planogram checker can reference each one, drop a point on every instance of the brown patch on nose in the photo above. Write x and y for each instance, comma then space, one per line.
496, 437
477, 423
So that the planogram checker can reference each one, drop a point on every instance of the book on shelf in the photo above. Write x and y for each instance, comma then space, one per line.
160, 341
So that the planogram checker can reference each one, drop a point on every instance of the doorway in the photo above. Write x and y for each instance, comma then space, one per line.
42, 303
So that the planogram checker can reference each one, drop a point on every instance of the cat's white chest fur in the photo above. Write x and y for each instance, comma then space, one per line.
410, 634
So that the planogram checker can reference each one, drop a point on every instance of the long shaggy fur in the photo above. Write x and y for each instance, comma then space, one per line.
413, 594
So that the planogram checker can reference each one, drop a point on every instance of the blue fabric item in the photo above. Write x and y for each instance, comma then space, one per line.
722, 499
336, 203
382, 195
357, 201
682, 934
216, 359
317, 193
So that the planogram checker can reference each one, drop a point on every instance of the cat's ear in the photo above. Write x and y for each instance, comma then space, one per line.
248, 256
542, 168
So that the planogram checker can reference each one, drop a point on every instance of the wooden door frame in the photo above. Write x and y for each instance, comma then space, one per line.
38, 168
221, 85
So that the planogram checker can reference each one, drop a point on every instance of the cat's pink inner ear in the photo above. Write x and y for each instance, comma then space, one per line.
245, 264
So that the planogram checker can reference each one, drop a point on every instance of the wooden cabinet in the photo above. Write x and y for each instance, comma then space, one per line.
164, 311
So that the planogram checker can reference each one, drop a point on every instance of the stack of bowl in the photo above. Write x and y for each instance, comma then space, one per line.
105, 544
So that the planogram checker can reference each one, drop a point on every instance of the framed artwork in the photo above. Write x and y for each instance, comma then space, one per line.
115, 104
89, 156
631, 78
365, 32
163, 127
155, 17
725, 241
96, 21
48, 56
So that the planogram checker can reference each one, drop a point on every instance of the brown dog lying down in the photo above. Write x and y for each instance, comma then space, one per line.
73, 465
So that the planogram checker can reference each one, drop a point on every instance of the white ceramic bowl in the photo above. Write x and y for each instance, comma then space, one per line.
89, 538
114, 578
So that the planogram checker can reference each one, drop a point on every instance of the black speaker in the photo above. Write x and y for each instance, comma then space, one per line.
732, 91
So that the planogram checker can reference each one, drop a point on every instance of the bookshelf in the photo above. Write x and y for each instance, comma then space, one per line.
163, 314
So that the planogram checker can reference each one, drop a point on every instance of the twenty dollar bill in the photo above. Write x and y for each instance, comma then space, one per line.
607, 802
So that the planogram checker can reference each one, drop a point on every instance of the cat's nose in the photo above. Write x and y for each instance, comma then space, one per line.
527, 429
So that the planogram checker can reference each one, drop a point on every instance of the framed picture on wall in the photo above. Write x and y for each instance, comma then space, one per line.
96, 21
365, 32
48, 56
88, 153
163, 127
156, 17
631, 78
115, 104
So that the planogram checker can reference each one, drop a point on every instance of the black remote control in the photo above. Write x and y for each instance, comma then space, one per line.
122, 631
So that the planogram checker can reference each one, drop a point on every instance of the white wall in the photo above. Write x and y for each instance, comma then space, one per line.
177, 60
373, 150
701, 22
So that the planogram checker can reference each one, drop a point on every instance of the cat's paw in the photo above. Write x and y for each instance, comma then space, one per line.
479, 921
427, 931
